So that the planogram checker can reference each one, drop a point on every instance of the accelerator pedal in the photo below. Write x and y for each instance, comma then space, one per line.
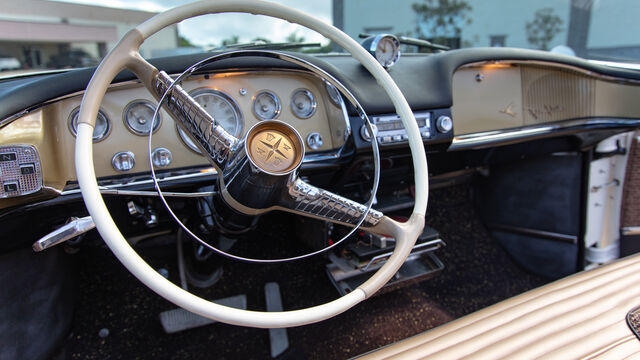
278, 340
177, 320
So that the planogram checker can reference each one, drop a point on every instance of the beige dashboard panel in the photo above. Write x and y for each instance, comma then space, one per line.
48, 127
497, 96
486, 98
120, 138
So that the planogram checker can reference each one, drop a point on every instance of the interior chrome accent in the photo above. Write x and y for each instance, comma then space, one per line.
509, 136
161, 157
102, 127
303, 103
266, 105
234, 129
123, 161
211, 138
139, 123
631, 230
20, 171
314, 140
74, 227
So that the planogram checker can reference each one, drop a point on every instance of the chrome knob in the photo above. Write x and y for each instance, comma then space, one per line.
123, 161
444, 124
314, 140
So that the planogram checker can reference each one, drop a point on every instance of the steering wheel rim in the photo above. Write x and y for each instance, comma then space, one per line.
125, 55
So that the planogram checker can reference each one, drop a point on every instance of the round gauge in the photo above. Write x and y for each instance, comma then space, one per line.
385, 48
187, 141
137, 117
222, 108
334, 94
102, 127
266, 105
303, 104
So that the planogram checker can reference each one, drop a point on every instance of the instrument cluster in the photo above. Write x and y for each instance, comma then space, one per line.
236, 101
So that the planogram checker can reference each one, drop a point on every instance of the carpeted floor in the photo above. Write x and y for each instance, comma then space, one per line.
478, 273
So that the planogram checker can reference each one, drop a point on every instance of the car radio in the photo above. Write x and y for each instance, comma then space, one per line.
390, 129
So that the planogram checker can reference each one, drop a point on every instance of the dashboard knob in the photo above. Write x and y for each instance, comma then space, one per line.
314, 140
444, 124
123, 161
161, 157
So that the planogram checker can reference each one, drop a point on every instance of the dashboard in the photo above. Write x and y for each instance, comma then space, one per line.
463, 100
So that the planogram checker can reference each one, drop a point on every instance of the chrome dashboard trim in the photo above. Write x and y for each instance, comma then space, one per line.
509, 136
550, 64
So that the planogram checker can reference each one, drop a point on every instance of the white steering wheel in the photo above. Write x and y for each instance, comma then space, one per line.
125, 55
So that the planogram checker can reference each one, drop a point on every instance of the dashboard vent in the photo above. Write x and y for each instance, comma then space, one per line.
556, 94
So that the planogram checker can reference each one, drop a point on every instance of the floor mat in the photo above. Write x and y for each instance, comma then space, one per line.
478, 273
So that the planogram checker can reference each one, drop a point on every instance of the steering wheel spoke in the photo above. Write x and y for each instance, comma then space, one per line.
308, 200
211, 138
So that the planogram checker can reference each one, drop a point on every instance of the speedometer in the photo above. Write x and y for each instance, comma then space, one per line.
222, 108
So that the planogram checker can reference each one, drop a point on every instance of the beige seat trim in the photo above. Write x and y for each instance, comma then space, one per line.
580, 317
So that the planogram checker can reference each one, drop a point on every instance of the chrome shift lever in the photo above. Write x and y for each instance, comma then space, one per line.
74, 227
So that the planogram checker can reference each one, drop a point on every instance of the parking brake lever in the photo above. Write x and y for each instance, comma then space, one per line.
74, 227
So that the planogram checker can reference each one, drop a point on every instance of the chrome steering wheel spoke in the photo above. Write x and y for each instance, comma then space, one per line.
308, 200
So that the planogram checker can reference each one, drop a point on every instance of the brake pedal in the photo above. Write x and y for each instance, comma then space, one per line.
177, 320
278, 340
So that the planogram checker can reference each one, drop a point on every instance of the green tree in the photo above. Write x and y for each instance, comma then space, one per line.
234, 39
441, 19
544, 27
294, 38
261, 39
184, 42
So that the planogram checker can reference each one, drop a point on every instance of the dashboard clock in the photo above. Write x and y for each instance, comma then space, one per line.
384, 47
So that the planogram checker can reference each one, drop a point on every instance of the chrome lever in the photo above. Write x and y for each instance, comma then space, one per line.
74, 227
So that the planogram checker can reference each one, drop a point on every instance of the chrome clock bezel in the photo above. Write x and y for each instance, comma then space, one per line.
314, 103
146, 103
373, 48
276, 100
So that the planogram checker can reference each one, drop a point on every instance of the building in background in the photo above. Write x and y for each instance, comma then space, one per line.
52, 34
595, 29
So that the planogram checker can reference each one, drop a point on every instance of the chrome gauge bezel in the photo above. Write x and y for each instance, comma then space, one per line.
211, 91
72, 123
146, 103
334, 94
274, 97
312, 98
187, 141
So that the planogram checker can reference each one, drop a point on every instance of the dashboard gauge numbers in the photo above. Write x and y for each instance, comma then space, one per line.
222, 108
385, 48
138, 117
303, 104
102, 127
266, 105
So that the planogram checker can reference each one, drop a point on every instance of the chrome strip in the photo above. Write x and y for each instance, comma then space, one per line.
556, 65
509, 136
201, 173
631, 230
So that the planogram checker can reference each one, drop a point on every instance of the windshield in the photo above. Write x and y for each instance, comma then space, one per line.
40, 35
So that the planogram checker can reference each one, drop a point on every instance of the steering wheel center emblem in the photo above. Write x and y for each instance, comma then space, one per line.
274, 150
